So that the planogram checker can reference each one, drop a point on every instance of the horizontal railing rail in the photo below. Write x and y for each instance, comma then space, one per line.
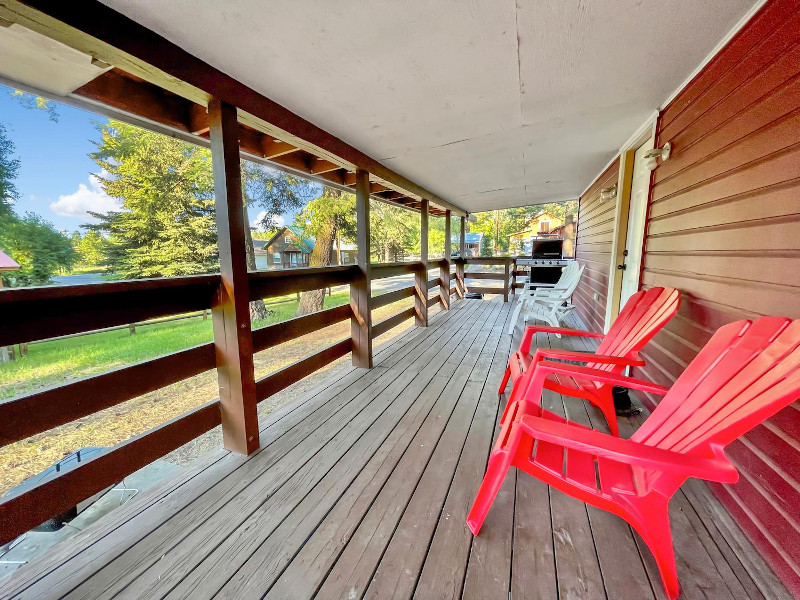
273, 335
279, 380
385, 325
20, 513
24, 416
384, 270
390, 297
265, 284
39, 313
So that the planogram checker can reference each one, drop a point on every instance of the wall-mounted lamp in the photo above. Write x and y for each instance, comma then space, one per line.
608, 194
651, 156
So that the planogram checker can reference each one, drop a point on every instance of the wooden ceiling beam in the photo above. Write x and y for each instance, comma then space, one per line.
144, 100
320, 165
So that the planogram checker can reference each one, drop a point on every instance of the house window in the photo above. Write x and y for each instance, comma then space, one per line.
544, 227
287, 239
276, 256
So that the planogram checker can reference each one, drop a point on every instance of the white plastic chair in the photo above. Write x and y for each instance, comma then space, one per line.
548, 302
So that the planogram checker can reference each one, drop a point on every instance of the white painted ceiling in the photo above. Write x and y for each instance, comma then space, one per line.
487, 103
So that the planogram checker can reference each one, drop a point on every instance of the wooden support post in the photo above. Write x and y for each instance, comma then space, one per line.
444, 272
461, 286
361, 287
230, 314
421, 276
505, 281
513, 276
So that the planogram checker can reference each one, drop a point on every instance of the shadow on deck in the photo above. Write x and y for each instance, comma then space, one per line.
361, 490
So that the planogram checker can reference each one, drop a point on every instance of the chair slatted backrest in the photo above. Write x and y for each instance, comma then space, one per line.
643, 315
747, 372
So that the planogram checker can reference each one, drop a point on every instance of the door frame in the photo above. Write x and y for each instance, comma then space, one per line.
624, 183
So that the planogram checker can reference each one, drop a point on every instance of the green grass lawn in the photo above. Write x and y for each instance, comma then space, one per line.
51, 363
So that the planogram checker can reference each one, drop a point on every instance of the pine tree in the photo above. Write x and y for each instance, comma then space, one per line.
167, 227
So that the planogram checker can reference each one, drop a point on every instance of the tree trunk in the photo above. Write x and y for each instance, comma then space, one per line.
258, 312
314, 300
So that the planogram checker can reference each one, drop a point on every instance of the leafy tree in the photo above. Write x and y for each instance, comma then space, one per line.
31, 241
394, 232
9, 170
34, 102
167, 225
90, 248
327, 218
39, 249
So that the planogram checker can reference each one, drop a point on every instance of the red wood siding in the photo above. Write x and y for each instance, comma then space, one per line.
724, 227
593, 249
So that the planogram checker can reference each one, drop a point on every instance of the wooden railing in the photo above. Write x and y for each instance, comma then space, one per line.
415, 290
40, 313
508, 264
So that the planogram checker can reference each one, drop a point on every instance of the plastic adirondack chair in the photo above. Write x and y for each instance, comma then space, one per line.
549, 305
528, 293
645, 313
747, 372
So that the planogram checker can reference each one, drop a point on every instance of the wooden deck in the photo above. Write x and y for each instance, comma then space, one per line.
361, 490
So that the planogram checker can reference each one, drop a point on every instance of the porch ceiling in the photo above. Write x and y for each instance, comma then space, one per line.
488, 104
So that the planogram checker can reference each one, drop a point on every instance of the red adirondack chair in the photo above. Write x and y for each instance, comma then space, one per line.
747, 372
645, 313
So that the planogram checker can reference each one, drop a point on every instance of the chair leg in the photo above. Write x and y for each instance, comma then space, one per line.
504, 383
514, 317
658, 537
499, 462
605, 403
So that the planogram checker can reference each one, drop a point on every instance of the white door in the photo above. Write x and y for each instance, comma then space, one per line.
637, 212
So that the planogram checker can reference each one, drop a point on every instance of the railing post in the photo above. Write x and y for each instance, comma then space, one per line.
233, 339
513, 276
461, 286
444, 272
421, 277
361, 287
505, 281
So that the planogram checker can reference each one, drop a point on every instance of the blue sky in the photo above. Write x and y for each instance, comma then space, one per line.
54, 161
55, 178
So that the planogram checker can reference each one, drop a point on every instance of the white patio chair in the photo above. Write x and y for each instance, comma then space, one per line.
548, 304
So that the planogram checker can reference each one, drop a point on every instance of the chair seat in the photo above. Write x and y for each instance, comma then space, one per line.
571, 470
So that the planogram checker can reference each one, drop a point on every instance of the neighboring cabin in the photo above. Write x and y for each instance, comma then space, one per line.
289, 248
544, 224
473, 244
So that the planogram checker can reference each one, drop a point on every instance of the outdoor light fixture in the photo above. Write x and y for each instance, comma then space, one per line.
651, 156
472, 218
609, 193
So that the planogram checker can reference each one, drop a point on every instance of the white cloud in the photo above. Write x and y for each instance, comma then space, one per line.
277, 221
85, 199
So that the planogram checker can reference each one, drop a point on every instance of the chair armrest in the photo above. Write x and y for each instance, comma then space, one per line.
527, 336
625, 451
542, 353
547, 367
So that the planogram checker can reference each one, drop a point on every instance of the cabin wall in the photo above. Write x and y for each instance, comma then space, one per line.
593, 246
724, 228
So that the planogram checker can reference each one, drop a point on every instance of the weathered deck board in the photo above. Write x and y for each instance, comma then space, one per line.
361, 489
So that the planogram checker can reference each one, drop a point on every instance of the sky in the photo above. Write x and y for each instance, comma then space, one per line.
56, 174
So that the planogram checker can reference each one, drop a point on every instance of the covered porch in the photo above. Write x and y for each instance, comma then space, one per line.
360, 487
360, 490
